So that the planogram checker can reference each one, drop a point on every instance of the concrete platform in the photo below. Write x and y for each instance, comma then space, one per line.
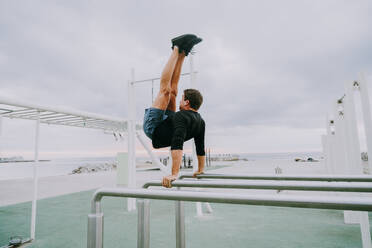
62, 222
62, 217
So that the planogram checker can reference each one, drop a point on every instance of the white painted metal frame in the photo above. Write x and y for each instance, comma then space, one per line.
56, 116
342, 146
60, 116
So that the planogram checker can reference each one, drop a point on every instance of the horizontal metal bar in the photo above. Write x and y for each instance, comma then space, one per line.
33, 114
22, 111
20, 104
339, 178
74, 121
61, 118
318, 202
80, 120
101, 127
281, 185
53, 114
158, 78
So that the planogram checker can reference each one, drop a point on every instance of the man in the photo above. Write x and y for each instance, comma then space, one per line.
163, 124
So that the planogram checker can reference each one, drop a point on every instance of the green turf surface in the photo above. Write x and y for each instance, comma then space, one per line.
62, 222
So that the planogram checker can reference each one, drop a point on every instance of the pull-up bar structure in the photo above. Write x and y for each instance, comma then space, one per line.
95, 218
132, 134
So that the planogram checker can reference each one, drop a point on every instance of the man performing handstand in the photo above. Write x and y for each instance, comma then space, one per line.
163, 124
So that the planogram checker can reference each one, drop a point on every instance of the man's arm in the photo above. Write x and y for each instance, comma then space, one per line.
200, 150
176, 162
180, 124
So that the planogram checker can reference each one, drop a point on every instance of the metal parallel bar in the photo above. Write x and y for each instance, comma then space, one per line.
95, 219
281, 185
180, 224
318, 202
284, 177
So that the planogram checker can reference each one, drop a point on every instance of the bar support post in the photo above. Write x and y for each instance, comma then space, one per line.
143, 226
180, 224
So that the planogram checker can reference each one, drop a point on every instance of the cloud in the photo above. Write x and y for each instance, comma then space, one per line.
274, 65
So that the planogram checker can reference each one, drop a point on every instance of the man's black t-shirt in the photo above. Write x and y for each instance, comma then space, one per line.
178, 128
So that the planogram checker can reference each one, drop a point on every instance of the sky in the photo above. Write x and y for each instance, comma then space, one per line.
269, 71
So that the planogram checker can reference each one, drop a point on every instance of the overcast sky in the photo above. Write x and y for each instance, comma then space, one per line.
269, 70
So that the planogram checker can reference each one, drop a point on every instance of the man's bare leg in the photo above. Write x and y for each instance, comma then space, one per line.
163, 97
174, 82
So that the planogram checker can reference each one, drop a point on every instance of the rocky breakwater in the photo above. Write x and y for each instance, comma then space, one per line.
92, 168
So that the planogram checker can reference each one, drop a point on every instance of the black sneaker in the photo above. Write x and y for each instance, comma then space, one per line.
188, 47
180, 41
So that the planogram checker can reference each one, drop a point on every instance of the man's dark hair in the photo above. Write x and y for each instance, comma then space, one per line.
194, 97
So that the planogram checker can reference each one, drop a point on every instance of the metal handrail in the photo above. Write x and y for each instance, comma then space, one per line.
95, 219
267, 185
338, 178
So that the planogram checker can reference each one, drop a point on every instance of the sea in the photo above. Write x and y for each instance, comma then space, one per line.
65, 166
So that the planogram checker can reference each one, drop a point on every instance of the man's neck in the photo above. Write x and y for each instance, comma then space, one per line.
191, 109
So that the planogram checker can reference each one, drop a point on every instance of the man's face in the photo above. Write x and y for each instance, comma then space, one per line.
183, 103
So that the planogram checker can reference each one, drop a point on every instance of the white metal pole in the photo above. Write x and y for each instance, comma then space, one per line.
1, 133
352, 131
348, 139
195, 164
331, 145
341, 155
351, 145
365, 229
326, 153
154, 158
364, 222
193, 85
35, 177
366, 116
131, 140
